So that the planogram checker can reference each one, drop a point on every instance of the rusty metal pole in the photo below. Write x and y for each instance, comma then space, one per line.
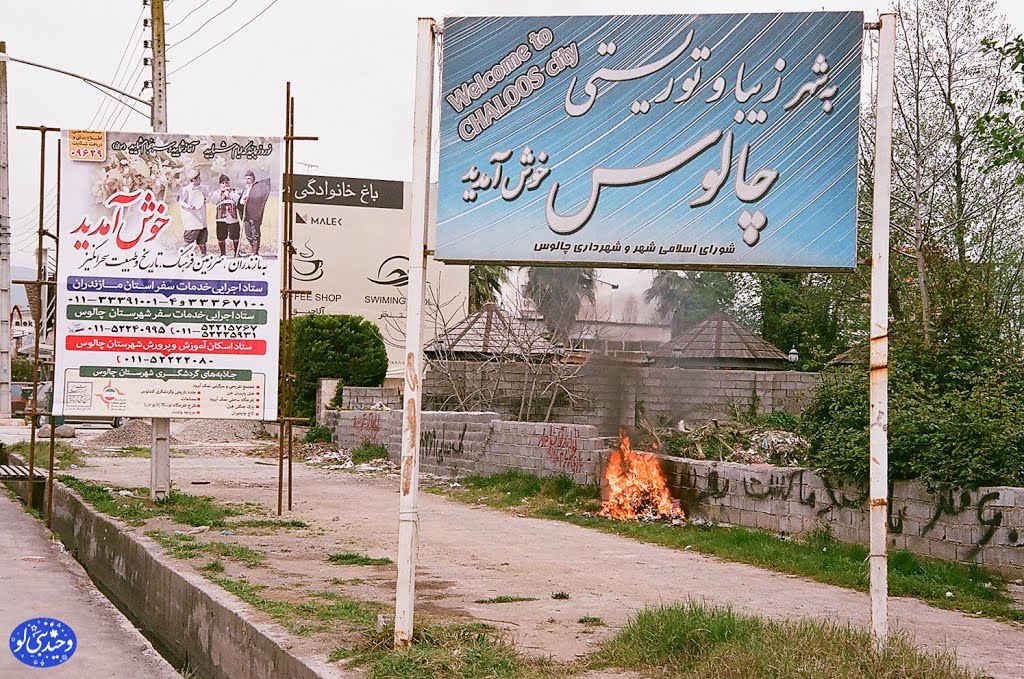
53, 429
282, 377
408, 514
40, 281
879, 386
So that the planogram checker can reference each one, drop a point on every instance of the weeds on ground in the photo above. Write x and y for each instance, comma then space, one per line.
559, 595
137, 508
692, 640
63, 455
187, 547
354, 559
591, 621
368, 452
818, 557
505, 599
132, 451
319, 612
317, 434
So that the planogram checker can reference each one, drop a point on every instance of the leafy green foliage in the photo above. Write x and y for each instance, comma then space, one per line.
688, 297
946, 424
368, 452
505, 599
1002, 130
21, 369
318, 435
347, 347
557, 292
485, 281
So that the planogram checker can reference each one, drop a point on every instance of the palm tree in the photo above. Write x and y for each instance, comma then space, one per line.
485, 281
558, 292
690, 296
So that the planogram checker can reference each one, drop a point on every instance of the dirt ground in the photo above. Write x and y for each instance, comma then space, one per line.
472, 553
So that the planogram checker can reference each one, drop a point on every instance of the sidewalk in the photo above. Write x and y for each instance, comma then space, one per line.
38, 579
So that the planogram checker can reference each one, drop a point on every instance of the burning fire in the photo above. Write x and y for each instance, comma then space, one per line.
637, 489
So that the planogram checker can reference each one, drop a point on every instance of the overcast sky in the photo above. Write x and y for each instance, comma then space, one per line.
350, 65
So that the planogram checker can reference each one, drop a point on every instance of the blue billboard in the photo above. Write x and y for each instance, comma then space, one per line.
684, 141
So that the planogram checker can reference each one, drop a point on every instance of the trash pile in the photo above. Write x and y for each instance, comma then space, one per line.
342, 459
217, 431
781, 447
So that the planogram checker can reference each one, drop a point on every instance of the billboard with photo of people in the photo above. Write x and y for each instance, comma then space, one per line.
169, 276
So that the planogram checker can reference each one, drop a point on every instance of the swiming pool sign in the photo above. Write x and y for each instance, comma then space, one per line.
714, 141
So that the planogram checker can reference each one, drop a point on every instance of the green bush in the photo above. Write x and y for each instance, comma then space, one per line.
965, 432
21, 369
346, 347
318, 435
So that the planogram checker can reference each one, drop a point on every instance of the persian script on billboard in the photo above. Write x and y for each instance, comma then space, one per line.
168, 295
691, 141
352, 253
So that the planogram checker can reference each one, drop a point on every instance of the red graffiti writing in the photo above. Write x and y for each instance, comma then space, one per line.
369, 425
561, 444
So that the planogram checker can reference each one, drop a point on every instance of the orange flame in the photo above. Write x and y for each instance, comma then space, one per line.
637, 488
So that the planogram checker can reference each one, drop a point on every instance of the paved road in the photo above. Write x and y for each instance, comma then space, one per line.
38, 579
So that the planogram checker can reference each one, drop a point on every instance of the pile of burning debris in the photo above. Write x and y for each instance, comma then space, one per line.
636, 488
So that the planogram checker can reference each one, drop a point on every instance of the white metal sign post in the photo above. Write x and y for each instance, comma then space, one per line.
879, 389
408, 515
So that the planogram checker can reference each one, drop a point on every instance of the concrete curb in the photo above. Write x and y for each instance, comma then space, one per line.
194, 620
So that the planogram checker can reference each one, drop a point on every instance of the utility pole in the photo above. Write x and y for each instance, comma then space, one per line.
5, 249
159, 115
160, 450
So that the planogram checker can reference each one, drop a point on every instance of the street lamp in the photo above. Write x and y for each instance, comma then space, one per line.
793, 356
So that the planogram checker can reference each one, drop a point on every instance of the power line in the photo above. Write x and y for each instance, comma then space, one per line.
123, 103
128, 85
230, 35
185, 18
202, 26
124, 53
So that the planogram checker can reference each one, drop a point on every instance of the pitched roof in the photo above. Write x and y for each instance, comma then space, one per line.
491, 330
719, 337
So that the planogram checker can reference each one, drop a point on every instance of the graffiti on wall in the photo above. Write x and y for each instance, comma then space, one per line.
367, 426
436, 446
561, 443
790, 485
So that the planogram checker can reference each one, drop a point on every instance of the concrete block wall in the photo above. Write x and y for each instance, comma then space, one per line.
984, 526
459, 444
607, 393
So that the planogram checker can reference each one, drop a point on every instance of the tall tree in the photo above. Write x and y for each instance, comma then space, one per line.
485, 281
687, 297
558, 293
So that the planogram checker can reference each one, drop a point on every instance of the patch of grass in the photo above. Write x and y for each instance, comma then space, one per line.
463, 651
63, 455
136, 509
693, 640
818, 557
264, 526
354, 559
316, 614
187, 547
215, 566
559, 595
132, 451
516, 488
350, 581
505, 599
133, 510
368, 452
591, 621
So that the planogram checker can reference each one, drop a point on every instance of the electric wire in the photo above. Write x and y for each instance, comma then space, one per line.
185, 18
203, 25
227, 37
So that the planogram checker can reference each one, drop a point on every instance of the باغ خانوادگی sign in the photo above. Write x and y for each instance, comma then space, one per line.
695, 141
169, 285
